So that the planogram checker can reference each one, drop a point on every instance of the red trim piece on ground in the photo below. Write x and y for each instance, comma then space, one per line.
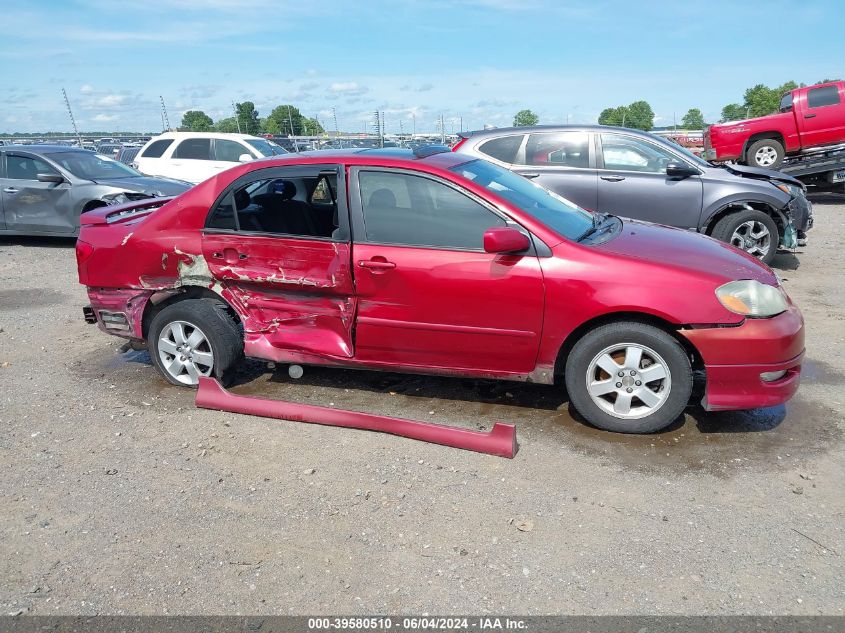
500, 440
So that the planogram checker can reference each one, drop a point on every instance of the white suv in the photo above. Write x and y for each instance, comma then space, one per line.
197, 156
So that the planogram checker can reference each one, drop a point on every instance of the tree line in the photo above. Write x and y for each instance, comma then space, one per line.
758, 100
283, 120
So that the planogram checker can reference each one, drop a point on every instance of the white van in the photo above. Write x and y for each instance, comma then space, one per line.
197, 156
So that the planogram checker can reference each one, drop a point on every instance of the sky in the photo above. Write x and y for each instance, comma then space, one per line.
474, 62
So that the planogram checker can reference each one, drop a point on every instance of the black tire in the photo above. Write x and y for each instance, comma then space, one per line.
725, 228
670, 351
775, 148
214, 320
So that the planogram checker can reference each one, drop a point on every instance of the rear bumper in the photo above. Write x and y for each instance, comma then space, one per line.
735, 357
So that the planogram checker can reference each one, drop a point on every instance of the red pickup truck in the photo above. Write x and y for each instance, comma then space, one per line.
809, 117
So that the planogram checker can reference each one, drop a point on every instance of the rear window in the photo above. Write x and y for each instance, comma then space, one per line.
503, 149
156, 149
196, 148
818, 97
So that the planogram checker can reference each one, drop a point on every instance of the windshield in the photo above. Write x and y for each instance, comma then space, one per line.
266, 148
93, 166
560, 215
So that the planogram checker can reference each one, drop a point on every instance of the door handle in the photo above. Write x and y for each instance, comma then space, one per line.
612, 178
374, 264
10, 190
809, 116
532, 174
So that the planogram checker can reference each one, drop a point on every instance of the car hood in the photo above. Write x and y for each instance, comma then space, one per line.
687, 250
154, 186
762, 174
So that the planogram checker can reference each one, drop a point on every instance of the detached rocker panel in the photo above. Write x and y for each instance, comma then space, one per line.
500, 440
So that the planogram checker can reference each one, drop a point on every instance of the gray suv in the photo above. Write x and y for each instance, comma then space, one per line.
45, 188
639, 175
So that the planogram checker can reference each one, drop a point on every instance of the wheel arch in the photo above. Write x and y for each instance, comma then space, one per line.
735, 206
162, 299
759, 136
696, 361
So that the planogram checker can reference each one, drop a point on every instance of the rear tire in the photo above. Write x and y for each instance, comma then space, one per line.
766, 153
193, 338
751, 231
643, 354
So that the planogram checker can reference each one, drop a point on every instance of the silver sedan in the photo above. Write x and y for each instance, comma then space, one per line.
45, 188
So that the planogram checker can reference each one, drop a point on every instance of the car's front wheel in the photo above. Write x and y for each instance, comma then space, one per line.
751, 231
194, 338
629, 377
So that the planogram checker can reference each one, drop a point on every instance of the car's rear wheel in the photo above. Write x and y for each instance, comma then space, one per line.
194, 338
628, 377
751, 231
767, 153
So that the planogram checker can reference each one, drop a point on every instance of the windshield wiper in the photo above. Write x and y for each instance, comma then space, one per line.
598, 219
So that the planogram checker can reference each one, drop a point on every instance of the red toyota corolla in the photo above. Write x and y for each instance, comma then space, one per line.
426, 262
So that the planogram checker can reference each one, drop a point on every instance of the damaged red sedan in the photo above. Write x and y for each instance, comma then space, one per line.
428, 262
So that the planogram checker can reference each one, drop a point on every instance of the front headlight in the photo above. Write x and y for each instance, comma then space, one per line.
751, 298
793, 190
116, 198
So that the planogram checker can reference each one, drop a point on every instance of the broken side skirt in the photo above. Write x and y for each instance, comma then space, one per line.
500, 440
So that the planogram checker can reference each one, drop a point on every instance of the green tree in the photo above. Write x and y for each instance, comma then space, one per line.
197, 121
693, 119
229, 124
614, 116
247, 116
733, 112
312, 126
827, 81
285, 119
525, 117
640, 116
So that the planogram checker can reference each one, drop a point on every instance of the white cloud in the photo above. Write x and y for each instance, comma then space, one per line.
347, 88
86, 89
105, 118
11, 119
111, 100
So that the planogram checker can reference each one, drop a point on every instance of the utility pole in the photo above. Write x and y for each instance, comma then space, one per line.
334, 116
442, 131
414, 119
377, 123
237, 117
164, 114
290, 120
72, 120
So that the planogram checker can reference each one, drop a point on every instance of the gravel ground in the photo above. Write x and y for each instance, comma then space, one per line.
117, 496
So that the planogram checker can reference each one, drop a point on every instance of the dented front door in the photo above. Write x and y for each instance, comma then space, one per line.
295, 293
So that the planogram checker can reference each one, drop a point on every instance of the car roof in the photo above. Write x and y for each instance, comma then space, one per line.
527, 129
47, 149
393, 156
221, 135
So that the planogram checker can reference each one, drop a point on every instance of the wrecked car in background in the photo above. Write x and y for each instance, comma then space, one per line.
434, 262
45, 188
643, 176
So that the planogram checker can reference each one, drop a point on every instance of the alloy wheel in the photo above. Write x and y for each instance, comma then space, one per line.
185, 352
753, 237
628, 381
766, 156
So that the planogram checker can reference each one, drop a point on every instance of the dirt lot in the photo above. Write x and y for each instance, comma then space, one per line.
118, 496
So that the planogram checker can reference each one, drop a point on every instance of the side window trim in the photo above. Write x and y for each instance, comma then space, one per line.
356, 208
270, 173
600, 166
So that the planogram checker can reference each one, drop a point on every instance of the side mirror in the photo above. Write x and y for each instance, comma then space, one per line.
680, 170
55, 178
505, 239
244, 158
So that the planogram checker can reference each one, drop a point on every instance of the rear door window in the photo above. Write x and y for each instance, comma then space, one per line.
563, 149
156, 149
820, 97
194, 148
503, 149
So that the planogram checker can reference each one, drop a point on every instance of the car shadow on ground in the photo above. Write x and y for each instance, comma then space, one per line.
32, 241
253, 378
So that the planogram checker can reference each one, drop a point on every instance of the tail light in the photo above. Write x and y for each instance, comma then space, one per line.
83, 251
